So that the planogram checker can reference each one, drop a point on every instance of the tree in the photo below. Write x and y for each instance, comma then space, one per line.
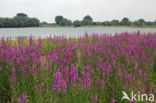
87, 20
115, 22
58, 19
20, 20
136, 23
21, 15
125, 21
106, 23
77, 23
65, 22
141, 22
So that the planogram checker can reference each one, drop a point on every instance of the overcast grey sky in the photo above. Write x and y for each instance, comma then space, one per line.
100, 10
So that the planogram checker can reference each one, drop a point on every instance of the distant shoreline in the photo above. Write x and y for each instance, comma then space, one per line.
97, 26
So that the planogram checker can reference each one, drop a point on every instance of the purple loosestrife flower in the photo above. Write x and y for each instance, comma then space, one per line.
150, 90
91, 71
120, 74
102, 84
144, 79
113, 101
89, 55
96, 98
64, 86
39, 89
123, 66
134, 67
23, 71
98, 81
107, 71
92, 98
57, 81
35, 68
13, 75
19, 100
88, 82
140, 72
80, 83
83, 73
66, 73
130, 77
134, 79
24, 97
0, 68
131, 101
73, 74
39, 61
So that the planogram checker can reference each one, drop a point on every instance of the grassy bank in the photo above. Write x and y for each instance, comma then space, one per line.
94, 26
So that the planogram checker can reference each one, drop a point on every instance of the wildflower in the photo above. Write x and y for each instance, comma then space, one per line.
98, 81
140, 72
66, 72
92, 98
19, 100
39, 61
35, 69
96, 98
23, 71
0, 68
57, 81
13, 75
144, 79
102, 84
80, 83
88, 82
120, 74
24, 98
64, 86
83, 74
73, 74
113, 101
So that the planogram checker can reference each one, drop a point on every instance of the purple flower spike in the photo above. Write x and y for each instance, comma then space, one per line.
13, 75
19, 100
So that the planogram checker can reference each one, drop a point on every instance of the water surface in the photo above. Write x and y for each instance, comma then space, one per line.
68, 32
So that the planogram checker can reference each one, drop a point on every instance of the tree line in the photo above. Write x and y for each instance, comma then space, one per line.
20, 20
87, 20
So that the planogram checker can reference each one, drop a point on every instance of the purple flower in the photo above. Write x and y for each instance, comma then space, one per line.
73, 74
144, 79
13, 75
80, 83
64, 86
24, 98
140, 72
35, 68
102, 84
96, 98
88, 82
0, 68
113, 101
57, 82
66, 73
120, 74
23, 71
19, 100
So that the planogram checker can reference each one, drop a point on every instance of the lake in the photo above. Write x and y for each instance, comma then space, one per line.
66, 31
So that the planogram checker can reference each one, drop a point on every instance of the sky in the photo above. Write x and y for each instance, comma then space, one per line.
99, 10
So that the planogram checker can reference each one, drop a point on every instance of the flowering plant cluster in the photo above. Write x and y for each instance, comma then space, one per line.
89, 69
